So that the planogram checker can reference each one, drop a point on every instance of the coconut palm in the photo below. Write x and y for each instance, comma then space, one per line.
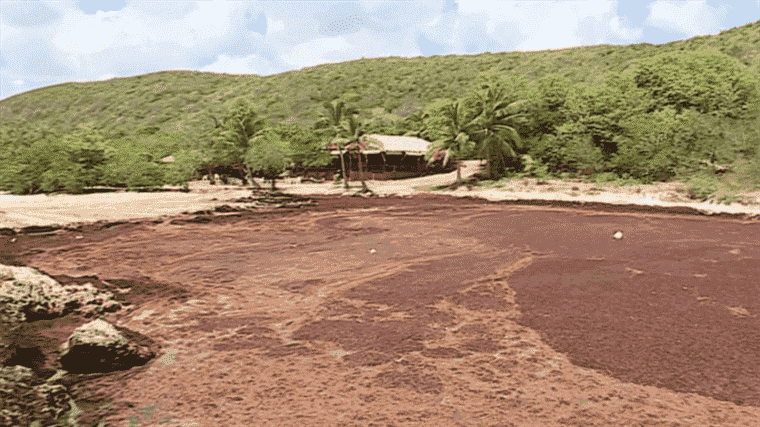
493, 129
417, 122
239, 128
231, 137
331, 122
454, 139
353, 131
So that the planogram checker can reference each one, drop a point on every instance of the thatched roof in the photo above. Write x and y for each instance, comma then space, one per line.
388, 145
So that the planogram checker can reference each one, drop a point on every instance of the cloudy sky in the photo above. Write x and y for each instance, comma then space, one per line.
49, 42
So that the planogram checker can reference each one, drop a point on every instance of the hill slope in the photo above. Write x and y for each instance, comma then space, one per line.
180, 100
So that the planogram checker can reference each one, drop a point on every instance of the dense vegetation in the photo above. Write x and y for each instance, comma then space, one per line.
638, 113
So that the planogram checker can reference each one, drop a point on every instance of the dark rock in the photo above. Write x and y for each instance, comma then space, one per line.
99, 346
37, 229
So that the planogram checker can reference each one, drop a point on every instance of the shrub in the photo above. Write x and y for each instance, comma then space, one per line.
747, 173
605, 177
701, 187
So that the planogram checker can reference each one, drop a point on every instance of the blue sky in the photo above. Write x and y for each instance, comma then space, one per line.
49, 42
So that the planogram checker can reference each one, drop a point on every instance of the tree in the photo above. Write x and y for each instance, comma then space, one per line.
87, 149
184, 167
21, 171
268, 155
498, 139
549, 98
352, 130
233, 137
416, 125
69, 163
210, 160
331, 123
702, 80
597, 111
305, 145
135, 161
454, 138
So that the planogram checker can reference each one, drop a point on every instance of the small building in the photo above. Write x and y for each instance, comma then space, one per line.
387, 157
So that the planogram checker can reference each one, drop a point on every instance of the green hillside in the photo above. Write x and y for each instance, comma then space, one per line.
600, 92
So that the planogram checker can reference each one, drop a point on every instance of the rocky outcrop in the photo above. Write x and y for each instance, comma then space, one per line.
29, 298
27, 295
25, 398
99, 346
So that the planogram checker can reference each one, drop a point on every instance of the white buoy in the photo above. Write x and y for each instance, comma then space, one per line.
618, 235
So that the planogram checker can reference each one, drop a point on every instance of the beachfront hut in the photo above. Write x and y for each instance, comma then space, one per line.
389, 157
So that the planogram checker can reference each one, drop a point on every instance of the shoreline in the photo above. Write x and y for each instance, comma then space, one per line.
62, 209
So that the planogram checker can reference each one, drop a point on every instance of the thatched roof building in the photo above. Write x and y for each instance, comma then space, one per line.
388, 156
389, 145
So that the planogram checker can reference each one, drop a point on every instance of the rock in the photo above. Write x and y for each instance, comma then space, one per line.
618, 235
27, 295
25, 398
99, 346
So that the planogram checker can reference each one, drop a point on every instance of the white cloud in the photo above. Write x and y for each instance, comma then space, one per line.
143, 25
251, 64
622, 30
274, 27
313, 52
18, 82
80, 35
434, 22
690, 18
530, 25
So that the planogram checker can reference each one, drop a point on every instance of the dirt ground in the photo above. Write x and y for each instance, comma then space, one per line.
427, 310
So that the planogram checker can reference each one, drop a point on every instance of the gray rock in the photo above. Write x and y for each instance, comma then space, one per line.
25, 398
99, 346
26, 294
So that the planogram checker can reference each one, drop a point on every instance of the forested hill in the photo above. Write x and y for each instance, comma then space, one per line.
640, 110
176, 100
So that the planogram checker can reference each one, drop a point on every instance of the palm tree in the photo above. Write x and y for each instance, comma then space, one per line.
231, 138
455, 137
417, 122
353, 131
332, 118
238, 129
498, 140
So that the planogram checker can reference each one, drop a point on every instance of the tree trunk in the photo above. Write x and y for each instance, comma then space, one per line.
459, 172
361, 174
249, 175
273, 188
243, 177
343, 168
